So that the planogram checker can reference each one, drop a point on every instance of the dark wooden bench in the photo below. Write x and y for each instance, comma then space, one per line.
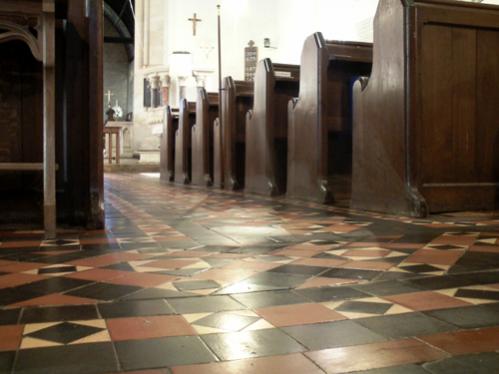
267, 128
167, 149
237, 99
426, 123
202, 138
183, 142
320, 119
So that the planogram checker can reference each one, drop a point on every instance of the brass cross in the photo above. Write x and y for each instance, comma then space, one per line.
194, 21
109, 94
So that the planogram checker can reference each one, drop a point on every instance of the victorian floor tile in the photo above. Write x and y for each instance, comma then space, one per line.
18, 267
56, 314
299, 269
135, 308
469, 317
332, 334
56, 285
366, 307
50, 334
404, 369
10, 337
435, 257
386, 288
55, 299
163, 352
244, 320
405, 325
104, 291
320, 262
368, 265
324, 294
351, 273
298, 314
239, 345
18, 279
95, 358
484, 363
269, 298
376, 355
9, 316
136, 328
325, 282
289, 364
466, 341
204, 304
7, 361
426, 300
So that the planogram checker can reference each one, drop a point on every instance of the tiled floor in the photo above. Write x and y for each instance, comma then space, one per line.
196, 281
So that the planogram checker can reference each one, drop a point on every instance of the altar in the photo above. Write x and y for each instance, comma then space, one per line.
125, 139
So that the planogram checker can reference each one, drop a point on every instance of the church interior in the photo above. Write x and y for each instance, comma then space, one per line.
249, 186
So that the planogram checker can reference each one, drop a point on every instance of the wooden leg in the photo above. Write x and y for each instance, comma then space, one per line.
110, 148
49, 180
118, 148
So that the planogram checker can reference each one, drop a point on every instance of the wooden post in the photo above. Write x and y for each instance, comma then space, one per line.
49, 181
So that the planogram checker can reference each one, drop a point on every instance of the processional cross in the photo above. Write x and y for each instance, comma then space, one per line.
194, 21
109, 94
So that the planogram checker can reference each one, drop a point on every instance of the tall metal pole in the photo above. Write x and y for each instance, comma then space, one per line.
220, 90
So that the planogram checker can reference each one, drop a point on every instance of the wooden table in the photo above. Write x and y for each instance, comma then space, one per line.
110, 131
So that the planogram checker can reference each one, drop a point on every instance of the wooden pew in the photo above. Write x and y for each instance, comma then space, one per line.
167, 149
426, 123
183, 142
320, 120
202, 138
237, 99
267, 127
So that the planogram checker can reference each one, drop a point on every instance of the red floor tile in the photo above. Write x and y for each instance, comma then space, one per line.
148, 327
10, 337
433, 256
426, 300
289, 364
374, 356
464, 342
298, 314
18, 279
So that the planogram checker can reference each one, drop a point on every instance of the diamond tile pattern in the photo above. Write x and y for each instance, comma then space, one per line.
192, 280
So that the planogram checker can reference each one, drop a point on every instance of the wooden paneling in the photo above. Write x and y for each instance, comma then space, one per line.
202, 138
183, 142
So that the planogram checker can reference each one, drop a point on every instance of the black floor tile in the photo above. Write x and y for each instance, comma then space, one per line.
299, 269
6, 362
56, 285
62, 313
351, 273
386, 288
239, 345
135, 308
478, 294
223, 319
405, 369
269, 298
196, 285
9, 317
82, 359
468, 317
204, 304
331, 293
65, 333
332, 335
405, 325
156, 293
364, 307
471, 261
157, 353
104, 291
277, 279
483, 363
439, 282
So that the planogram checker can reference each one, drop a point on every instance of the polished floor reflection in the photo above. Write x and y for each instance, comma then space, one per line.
203, 281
